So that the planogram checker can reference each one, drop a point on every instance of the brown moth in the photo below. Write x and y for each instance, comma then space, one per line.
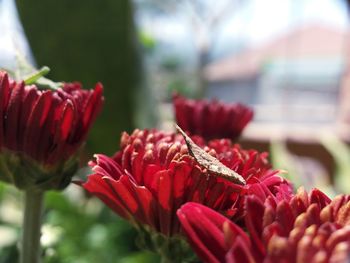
209, 162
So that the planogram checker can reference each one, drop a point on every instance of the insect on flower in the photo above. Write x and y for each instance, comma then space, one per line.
209, 162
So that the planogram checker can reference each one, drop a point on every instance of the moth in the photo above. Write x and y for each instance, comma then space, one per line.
209, 162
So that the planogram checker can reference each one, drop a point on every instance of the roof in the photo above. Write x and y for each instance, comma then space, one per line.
311, 41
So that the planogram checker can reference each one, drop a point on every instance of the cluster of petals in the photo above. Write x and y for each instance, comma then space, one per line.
47, 126
153, 175
211, 119
302, 228
261, 180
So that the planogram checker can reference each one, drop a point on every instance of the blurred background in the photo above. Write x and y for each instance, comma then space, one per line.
288, 59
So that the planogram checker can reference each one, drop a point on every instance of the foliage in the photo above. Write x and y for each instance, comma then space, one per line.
341, 154
71, 232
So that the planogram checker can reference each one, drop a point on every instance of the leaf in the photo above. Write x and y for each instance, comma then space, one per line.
209, 162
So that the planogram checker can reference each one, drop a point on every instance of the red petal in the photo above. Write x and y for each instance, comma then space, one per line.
145, 201
30, 98
13, 113
35, 124
318, 197
93, 106
106, 166
284, 216
165, 197
65, 117
67, 120
4, 98
343, 215
340, 235
254, 220
97, 185
204, 230
47, 137
240, 252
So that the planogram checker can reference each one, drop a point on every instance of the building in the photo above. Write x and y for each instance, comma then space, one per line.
295, 78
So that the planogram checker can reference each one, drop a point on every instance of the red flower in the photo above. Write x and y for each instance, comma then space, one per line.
262, 180
211, 119
305, 228
42, 129
153, 175
213, 236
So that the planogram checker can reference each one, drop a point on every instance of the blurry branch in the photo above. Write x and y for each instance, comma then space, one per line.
296, 169
211, 15
341, 154
204, 19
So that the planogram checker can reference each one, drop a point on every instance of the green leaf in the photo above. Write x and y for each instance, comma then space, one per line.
341, 154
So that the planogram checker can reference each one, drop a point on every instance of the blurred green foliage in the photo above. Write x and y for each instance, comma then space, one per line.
281, 159
89, 232
341, 154
76, 229
180, 86
147, 41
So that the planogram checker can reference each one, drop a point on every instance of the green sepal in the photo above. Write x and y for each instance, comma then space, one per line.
27, 174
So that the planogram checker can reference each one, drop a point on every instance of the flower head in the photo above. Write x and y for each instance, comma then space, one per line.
211, 119
261, 180
153, 175
41, 131
305, 228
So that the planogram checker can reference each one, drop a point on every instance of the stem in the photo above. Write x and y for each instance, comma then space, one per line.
32, 227
164, 259
37, 75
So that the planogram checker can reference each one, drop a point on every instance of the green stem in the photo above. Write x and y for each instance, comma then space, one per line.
32, 227
164, 259
165, 253
37, 75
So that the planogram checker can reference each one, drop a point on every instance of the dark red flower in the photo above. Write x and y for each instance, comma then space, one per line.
262, 180
41, 130
211, 119
305, 228
153, 175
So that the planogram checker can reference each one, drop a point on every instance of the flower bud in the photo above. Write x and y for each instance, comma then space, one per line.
41, 132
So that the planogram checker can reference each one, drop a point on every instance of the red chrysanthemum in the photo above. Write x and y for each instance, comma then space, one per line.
153, 175
41, 130
262, 181
211, 119
305, 228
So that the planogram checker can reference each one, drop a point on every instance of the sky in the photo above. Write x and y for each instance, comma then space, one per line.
12, 39
253, 22
261, 20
